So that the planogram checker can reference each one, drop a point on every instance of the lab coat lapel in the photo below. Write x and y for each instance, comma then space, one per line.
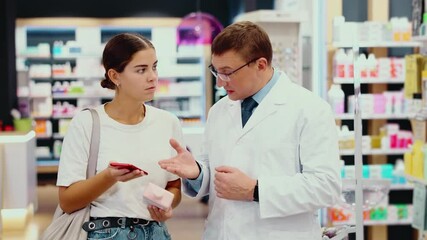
234, 110
269, 105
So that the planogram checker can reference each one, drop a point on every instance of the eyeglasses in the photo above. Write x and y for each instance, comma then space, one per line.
226, 76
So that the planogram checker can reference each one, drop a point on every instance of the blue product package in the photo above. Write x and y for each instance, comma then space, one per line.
365, 171
387, 171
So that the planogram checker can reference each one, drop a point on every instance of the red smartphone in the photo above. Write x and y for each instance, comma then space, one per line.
128, 166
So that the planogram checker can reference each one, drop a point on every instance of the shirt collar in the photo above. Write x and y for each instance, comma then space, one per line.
260, 95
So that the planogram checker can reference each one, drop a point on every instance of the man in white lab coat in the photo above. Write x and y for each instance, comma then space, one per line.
268, 173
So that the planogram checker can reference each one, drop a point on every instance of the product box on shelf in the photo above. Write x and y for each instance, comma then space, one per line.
420, 206
419, 129
414, 64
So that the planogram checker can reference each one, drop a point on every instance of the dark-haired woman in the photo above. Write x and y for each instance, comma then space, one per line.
131, 132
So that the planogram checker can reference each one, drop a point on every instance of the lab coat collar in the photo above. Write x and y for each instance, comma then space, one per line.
274, 99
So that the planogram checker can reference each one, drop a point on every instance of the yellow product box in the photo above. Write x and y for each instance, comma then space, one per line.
407, 158
414, 65
375, 141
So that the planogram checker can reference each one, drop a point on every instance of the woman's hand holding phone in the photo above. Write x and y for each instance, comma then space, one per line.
127, 166
124, 172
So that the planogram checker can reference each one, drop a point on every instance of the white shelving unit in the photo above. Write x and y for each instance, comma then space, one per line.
350, 152
350, 116
368, 80
364, 116
397, 187
284, 30
420, 185
416, 180
420, 39
376, 44
376, 222
80, 96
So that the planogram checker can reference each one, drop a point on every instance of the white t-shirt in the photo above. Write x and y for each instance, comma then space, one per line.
142, 144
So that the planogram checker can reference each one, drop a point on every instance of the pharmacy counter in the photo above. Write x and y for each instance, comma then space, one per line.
18, 179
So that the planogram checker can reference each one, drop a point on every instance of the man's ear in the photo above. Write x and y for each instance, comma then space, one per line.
262, 63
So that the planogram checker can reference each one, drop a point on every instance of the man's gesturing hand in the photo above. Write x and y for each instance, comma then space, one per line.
183, 164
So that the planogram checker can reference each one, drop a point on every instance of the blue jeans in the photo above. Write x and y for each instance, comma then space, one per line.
153, 231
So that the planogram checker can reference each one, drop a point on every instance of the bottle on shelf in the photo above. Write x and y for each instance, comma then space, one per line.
372, 66
336, 98
57, 145
350, 64
423, 27
57, 47
362, 62
399, 172
340, 64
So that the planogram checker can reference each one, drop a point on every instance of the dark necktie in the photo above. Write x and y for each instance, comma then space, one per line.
248, 106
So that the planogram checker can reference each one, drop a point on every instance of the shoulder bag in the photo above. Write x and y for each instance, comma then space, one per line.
69, 226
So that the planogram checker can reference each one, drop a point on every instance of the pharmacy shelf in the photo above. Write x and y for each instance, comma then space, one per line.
62, 116
75, 56
350, 116
377, 222
156, 96
34, 96
419, 38
47, 166
41, 117
369, 80
62, 77
399, 151
273, 16
186, 114
397, 186
177, 95
41, 78
385, 44
34, 57
80, 95
40, 137
343, 233
181, 71
407, 186
415, 179
58, 136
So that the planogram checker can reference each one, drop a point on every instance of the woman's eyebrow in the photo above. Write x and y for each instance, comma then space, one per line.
140, 65
145, 65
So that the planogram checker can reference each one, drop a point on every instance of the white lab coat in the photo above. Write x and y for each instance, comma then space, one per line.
290, 145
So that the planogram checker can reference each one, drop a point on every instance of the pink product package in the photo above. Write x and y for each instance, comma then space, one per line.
379, 103
157, 196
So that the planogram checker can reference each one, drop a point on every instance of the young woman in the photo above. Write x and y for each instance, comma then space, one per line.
131, 132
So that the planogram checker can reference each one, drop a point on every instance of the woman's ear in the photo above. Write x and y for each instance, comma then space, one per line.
114, 76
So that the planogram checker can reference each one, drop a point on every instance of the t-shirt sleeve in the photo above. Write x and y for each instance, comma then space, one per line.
177, 135
75, 150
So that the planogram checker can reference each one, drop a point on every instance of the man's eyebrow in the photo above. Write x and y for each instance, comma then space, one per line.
221, 68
